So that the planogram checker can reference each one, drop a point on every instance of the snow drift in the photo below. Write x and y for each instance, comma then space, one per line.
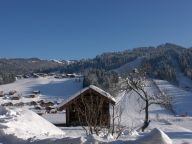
156, 136
24, 124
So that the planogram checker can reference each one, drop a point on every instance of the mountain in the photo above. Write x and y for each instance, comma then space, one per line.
167, 61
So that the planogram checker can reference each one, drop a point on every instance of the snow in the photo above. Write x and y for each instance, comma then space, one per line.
178, 134
57, 61
184, 82
50, 88
23, 126
26, 124
132, 133
181, 98
129, 66
74, 132
156, 135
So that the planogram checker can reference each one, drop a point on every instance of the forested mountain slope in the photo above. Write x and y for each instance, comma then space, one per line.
162, 62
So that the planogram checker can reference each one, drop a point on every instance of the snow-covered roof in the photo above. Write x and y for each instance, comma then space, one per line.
97, 89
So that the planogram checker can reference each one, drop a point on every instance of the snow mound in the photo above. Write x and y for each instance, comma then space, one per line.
156, 136
11, 139
25, 124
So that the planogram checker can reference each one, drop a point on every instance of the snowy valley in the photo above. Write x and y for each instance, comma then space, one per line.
22, 124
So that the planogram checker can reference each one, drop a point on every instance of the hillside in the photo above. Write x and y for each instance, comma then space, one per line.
166, 61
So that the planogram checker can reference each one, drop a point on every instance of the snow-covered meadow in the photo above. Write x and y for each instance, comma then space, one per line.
50, 88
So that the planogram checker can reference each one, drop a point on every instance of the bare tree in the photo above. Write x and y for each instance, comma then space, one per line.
138, 82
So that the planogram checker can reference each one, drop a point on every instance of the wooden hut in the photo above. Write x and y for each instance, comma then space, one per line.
87, 103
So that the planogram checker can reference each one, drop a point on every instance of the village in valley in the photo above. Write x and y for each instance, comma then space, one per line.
33, 98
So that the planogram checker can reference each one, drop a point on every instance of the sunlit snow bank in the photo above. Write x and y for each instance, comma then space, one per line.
25, 124
154, 137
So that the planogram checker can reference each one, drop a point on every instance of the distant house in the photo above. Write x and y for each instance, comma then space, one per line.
89, 96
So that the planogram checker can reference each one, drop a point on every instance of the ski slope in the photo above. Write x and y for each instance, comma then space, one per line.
182, 99
128, 67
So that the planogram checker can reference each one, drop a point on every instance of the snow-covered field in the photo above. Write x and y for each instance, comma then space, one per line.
50, 88
21, 125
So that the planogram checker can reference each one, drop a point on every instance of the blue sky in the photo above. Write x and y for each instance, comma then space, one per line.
75, 29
